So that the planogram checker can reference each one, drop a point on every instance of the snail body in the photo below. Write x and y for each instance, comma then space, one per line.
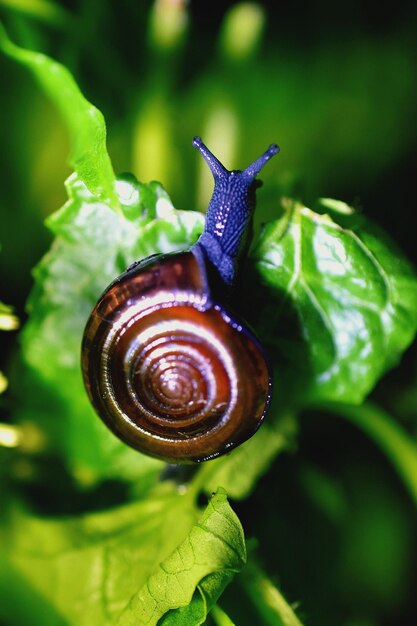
167, 364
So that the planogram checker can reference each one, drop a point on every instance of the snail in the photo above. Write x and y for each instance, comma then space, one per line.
167, 364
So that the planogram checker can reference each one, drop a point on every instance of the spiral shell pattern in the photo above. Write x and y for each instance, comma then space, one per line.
168, 369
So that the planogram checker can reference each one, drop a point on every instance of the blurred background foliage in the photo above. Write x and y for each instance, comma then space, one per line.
334, 85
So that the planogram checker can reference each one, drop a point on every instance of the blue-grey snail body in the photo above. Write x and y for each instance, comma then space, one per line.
167, 364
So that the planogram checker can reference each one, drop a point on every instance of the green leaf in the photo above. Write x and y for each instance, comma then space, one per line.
85, 123
207, 559
93, 245
393, 440
239, 471
130, 565
335, 299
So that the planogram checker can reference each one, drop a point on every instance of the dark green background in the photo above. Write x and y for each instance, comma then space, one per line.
333, 84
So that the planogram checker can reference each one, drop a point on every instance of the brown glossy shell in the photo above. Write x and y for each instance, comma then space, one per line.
168, 369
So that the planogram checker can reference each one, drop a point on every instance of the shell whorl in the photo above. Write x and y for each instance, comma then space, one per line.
170, 370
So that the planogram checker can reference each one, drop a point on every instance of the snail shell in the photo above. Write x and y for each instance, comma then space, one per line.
168, 368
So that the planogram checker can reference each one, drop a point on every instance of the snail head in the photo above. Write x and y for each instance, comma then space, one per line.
229, 214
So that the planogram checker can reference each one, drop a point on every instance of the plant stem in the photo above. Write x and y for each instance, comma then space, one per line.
220, 617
